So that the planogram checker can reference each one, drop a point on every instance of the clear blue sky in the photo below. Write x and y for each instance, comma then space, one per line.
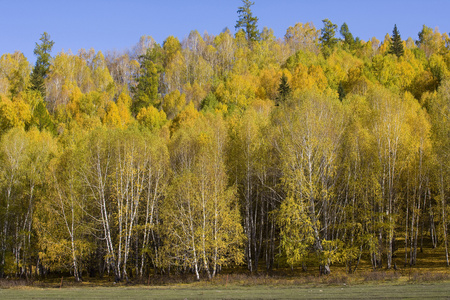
113, 24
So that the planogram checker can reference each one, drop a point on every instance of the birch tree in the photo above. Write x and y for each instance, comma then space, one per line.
309, 139
62, 222
201, 212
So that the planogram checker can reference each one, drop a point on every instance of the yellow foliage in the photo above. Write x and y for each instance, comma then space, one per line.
112, 118
14, 74
338, 65
186, 118
74, 102
151, 118
385, 45
173, 103
15, 113
262, 106
432, 41
87, 110
268, 84
171, 47
309, 78
175, 72
423, 83
123, 105
194, 93
368, 49
356, 82
320, 80
100, 74
406, 73
238, 90
303, 37
221, 109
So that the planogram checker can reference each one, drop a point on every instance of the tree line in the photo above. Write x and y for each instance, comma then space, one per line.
225, 151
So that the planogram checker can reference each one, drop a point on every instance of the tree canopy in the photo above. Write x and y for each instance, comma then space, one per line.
396, 43
226, 153
327, 37
41, 68
247, 21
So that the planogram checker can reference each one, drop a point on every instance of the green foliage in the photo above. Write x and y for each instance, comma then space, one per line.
146, 90
341, 91
349, 41
297, 235
209, 103
284, 90
327, 37
41, 68
42, 118
396, 43
247, 21
438, 68
347, 35
306, 58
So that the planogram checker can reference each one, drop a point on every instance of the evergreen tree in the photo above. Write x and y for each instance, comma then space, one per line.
349, 40
346, 34
41, 118
327, 37
396, 43
146, 90
41, 68
284, 90
341, 91
247, 21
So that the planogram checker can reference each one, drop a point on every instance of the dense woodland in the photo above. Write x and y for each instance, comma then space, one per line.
234, 151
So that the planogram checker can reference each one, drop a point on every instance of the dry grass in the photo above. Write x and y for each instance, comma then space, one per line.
430, 277
367, 291
430, 267
7, 283
336, 278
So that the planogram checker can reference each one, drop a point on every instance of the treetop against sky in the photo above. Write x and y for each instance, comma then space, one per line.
108, 25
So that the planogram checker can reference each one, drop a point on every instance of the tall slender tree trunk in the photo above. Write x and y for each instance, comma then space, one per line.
406, 222
444, 216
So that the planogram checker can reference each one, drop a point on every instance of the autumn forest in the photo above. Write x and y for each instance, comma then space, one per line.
238, 151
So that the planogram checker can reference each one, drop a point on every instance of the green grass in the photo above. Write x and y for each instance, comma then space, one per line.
439, 290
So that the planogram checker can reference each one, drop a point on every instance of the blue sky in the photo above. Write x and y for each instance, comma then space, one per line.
117, 25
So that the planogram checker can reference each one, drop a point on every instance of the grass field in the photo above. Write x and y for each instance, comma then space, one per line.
367, 291
429, 279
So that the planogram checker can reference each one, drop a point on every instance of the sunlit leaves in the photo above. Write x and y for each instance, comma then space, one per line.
303, 37
151, 118
14, 113
14, 74
337, 153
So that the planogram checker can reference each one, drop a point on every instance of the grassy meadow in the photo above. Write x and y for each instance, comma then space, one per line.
439, 290
428, 279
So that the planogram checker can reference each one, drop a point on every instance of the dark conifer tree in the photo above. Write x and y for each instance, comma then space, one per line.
341, 91
347, 35
396, 43
42, 66
147, 88
327, 37
284, 90
247, 21
41, 118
